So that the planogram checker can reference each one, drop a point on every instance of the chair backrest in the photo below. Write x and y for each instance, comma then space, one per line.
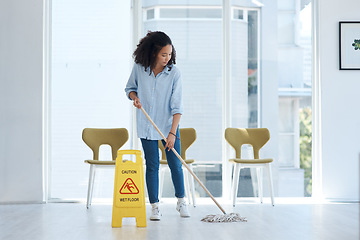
257, 137
187, 138
95, 137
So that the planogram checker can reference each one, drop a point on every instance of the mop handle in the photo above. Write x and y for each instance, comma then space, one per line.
183, 162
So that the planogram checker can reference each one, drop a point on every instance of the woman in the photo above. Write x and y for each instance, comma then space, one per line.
155, 85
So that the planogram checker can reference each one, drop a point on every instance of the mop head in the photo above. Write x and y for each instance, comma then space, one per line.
223, 218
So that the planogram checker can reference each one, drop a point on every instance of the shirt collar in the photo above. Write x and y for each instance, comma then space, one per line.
166, 69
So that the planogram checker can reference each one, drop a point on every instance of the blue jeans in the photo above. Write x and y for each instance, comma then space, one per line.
151, 150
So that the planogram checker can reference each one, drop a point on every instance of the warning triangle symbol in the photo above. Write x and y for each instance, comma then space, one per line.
129, 187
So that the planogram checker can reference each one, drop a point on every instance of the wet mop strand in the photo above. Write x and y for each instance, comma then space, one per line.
232, 217
223, 218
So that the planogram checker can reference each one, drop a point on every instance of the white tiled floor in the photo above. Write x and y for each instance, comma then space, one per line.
287, 220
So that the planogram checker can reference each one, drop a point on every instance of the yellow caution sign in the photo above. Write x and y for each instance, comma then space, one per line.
129, 193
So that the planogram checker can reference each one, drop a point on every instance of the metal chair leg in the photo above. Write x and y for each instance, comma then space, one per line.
192, 186
268, 168
235, 182
260, 183
90, 185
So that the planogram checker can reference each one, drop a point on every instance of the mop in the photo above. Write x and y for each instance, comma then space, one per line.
232, 217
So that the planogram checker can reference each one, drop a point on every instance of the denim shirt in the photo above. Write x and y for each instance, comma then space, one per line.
160, 96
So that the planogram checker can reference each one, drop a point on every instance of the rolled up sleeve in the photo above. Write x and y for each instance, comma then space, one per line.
132, 84
176, 103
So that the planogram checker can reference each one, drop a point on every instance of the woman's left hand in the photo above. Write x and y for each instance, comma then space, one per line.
170, 141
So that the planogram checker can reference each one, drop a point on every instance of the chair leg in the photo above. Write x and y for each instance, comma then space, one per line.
161, 180
260, 183
90, 185
268, 168
145, 187
236, 180
191, 179
145, 184
187, 185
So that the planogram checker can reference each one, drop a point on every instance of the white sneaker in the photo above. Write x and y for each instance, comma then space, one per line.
155, 212
182, 208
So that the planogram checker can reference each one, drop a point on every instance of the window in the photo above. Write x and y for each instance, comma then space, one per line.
198, 44
150, 14
294, 58
90, 64
196, 32
190, 13
238, 14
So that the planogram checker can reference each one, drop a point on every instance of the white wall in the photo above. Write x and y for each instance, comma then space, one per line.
21, 25
340, 105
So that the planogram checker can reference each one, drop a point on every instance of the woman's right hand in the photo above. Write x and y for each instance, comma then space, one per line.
137, 103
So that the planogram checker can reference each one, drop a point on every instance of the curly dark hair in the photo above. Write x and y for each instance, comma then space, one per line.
149, 47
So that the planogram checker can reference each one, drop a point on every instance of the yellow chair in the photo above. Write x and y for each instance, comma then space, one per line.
94, 138
188, 137
257, 138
